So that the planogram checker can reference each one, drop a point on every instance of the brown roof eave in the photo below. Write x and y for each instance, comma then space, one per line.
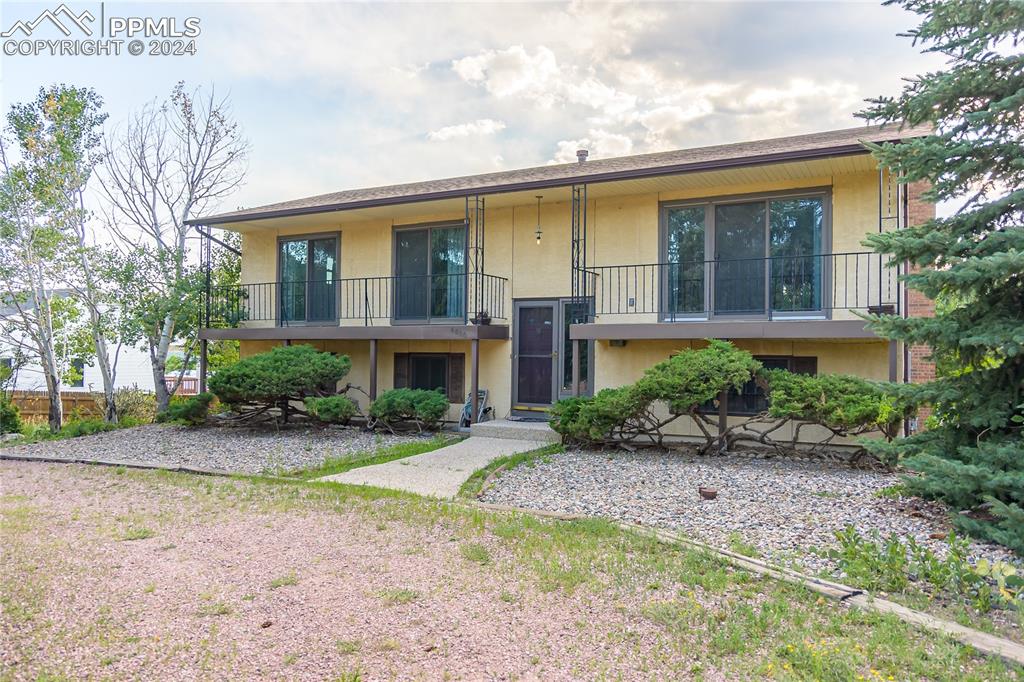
717, 164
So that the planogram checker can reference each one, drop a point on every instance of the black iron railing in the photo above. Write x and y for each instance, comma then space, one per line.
399, 298
779, 286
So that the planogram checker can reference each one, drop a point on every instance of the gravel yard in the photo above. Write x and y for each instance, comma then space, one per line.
784, 508
239, 449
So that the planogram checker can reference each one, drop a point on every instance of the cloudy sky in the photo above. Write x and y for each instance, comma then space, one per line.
335, 95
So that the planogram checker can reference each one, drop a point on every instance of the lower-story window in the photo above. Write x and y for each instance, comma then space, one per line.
432, 371
751, 398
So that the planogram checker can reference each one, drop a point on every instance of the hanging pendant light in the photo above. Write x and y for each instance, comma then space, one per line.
539, 232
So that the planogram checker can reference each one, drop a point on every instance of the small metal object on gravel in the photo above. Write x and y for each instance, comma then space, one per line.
707, 493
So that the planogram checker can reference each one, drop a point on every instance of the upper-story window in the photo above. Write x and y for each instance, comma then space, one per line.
430, 273
745, 256
308, 268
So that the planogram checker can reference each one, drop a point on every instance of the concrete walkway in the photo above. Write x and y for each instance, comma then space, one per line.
439, 473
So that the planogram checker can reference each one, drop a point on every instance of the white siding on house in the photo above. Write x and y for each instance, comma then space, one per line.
133, 369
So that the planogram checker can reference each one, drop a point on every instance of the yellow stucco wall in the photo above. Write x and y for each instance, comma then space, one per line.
621, 230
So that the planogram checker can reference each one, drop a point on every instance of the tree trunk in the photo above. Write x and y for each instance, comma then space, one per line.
158, 356
107, 368
56, 408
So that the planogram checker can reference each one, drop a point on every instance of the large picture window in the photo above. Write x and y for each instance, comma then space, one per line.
430, 271
746, 257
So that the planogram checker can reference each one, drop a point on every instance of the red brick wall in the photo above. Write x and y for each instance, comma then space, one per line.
921, 368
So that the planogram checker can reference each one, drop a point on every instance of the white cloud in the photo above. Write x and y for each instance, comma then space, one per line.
513, 72
481, 126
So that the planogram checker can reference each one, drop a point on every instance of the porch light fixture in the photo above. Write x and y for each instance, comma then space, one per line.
539, 232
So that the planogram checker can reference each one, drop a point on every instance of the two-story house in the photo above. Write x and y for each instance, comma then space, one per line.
539, 283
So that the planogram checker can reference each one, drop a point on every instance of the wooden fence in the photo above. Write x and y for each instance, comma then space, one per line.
37, 403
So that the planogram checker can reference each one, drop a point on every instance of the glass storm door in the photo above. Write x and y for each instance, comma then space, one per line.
740, 259
684, 272
309, 271
534, 353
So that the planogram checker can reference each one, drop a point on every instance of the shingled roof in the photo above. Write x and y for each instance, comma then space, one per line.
794, 148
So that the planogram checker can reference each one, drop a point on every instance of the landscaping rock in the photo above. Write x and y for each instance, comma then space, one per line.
783, 508
241, 449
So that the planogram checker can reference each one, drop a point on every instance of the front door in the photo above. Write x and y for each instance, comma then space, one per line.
534, 355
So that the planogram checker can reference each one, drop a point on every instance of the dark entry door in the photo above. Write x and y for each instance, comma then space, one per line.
534, 354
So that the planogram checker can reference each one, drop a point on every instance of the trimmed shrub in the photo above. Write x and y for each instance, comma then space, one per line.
332, 409
423, 408
839, 402
10, 416
192, 411
688, 382
280, 376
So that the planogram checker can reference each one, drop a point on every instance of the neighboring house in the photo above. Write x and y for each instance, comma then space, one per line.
585, 273
133, 368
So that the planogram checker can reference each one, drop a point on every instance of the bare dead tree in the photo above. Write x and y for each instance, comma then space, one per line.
173, 161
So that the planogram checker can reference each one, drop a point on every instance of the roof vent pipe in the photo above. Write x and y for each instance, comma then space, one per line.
581, 155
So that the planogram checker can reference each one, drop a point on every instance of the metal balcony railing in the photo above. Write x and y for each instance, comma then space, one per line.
757, 288
392, 299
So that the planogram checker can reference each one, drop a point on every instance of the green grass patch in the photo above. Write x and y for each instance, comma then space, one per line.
475, 552
474, 486
339, 465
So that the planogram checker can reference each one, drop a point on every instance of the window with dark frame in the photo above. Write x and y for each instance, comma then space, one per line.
432, 371
751, 399
744, 256
430, 272
308, 271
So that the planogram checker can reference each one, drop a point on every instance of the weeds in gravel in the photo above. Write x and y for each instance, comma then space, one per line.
349, 676
398, 596
348, 646
339, 465
473, 487
283, 581
904, 565
136, 533
216, 608
738, 545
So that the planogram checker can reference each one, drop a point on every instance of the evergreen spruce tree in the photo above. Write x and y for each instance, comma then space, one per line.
972, 456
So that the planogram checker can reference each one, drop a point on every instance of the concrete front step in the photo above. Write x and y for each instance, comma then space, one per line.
538, 432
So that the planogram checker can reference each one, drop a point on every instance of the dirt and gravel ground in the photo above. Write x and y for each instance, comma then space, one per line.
115, 574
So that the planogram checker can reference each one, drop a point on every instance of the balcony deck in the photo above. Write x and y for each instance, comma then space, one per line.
447, 307
781, 297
